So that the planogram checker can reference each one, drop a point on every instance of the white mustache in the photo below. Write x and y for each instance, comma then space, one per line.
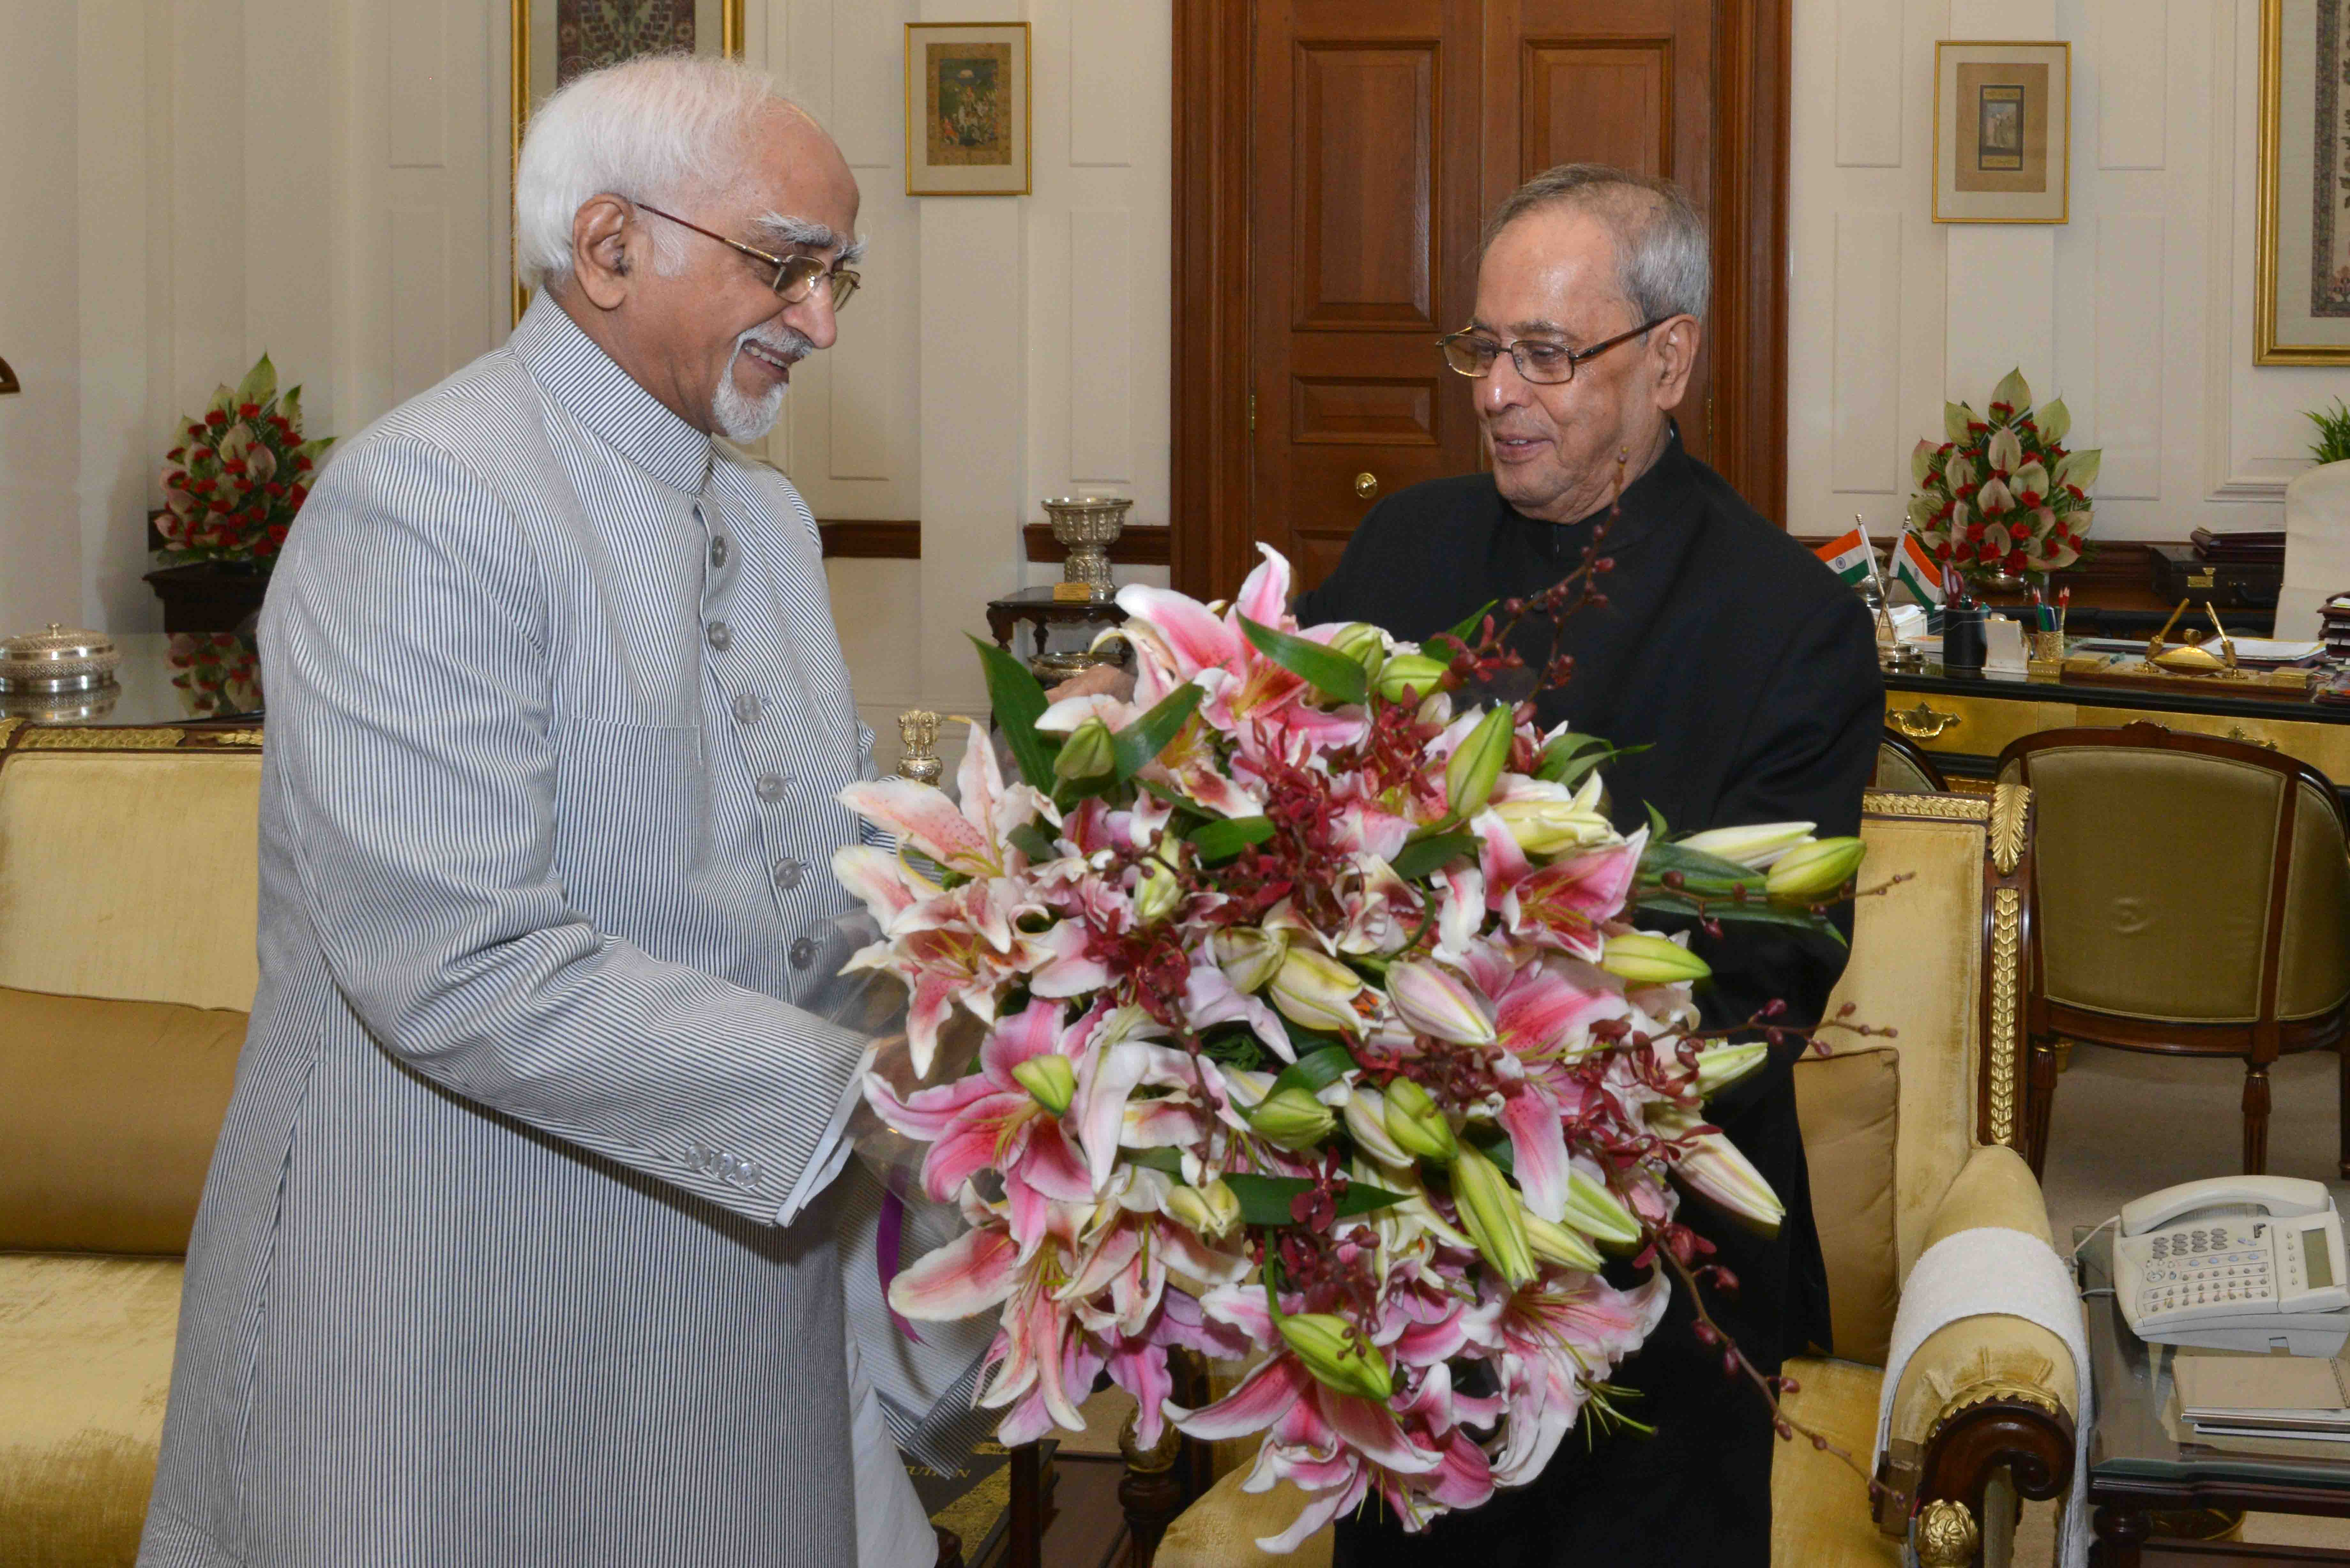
784, 342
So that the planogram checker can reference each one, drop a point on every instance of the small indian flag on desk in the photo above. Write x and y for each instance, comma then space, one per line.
1847, 557
1916, 570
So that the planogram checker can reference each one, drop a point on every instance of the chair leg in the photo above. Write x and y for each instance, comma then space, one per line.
2041, 1099
2256, 1118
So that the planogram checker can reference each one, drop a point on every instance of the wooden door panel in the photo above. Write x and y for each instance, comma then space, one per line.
1597, 101
1364, 170
1365, 114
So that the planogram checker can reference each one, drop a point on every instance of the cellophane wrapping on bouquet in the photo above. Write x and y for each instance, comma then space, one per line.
1294, 1009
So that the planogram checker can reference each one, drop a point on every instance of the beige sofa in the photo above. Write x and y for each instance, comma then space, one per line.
127, 965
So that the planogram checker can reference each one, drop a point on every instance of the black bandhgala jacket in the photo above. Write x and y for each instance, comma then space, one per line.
1750, 673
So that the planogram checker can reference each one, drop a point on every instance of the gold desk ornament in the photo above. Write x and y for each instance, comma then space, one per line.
918, 728
1087, 525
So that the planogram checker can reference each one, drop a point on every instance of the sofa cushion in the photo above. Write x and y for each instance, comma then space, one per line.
1820, 1514
85, 1365
130, 874
1849, 1106
108, 1111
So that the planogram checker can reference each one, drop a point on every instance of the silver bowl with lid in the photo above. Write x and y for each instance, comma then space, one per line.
60, 659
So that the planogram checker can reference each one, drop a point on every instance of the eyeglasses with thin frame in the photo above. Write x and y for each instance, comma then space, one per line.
795, 277
1544, 364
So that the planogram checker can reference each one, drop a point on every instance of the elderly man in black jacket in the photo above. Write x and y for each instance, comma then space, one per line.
1740, 663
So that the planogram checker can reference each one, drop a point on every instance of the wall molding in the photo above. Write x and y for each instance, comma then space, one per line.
871, 540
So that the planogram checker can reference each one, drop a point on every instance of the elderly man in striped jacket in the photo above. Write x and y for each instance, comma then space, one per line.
514, 1249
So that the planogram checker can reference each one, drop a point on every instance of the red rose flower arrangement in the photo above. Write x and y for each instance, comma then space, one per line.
2002, 496
239, 474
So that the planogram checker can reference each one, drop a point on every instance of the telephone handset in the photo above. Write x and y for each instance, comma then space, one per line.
2236, 1262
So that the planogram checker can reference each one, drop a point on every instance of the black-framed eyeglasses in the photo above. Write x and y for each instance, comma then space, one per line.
1544, 364
795, 277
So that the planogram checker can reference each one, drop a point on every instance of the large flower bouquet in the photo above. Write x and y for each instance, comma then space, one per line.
239, 474
1313, 1025
2002, 496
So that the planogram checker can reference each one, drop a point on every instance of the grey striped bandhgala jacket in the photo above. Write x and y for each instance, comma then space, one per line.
488, 1269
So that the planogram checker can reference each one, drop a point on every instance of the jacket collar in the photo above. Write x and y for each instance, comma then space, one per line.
589, 384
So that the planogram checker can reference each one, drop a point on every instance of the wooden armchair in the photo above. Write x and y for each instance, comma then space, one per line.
1910, 1139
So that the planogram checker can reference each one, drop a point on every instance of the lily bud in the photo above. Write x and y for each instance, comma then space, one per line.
1338, 1354
1156, 896
1815, 868
1558, 1244
1477, 761
1293, 1118
1434, 1000
1719, 1067
1551, 826
1492, 1214
1755, 847
1364, 644
1316, 990
1366, 1114
1208, 1211
1645, 960
1086, 754
1049, 1079
1249, 957
1593, 1209
1714, 1169
1413, 671
1417, 1123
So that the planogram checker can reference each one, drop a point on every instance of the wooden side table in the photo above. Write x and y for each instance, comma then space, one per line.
1043, 613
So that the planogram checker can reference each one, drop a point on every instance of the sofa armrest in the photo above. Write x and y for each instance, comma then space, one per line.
1984, 1393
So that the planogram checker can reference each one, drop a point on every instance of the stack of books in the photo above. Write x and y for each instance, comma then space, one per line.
2224, 1397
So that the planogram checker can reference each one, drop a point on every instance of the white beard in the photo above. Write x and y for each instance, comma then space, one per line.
740, 417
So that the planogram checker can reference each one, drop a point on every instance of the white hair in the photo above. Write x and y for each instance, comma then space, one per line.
655, 128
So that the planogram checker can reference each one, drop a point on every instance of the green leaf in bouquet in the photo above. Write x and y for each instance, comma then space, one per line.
1754, 912
1314, 1071
260, 383
1137, 745
2055, 422
1567, 757
1332, 673
1019, 702
1265, 1200
1716, 874
1466, 628
1167, 1160
1955, 420
1657, 826
2013, 390
1425, 856
1227, 837
1033, 841
2080, 467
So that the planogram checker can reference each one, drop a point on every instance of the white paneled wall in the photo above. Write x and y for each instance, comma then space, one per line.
2139, 311
318, 179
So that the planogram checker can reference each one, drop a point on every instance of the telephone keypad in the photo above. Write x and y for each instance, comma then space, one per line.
2205, 1266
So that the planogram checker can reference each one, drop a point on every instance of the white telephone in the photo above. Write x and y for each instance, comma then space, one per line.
2238, 1263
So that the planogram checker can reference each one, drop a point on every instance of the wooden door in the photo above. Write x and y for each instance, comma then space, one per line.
1333, 162
1627, 82
1366, 112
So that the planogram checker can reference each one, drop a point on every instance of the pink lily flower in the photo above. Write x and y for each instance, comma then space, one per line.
968, 836
1560, 1333
988, 1120
1564, 904
960, 946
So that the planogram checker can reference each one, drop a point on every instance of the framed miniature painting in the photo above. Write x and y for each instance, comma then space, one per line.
2302, 262
967, 108
2003, 132
556, 40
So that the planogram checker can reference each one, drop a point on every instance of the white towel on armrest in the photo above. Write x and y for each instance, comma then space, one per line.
1995, 1270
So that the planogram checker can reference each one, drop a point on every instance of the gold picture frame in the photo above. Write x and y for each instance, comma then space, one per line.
969, 112
2003, 130
2301, 225
534, 64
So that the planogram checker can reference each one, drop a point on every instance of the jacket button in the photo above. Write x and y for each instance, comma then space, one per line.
719, 636
747, 706
804, 952
770, 788
718, 550
788, 874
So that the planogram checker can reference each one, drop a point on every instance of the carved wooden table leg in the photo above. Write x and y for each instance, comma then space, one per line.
1152, 1492
2120, 1532
2256, 1119
1025, 1532
950, 1547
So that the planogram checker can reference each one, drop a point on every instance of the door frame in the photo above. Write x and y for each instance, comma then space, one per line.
1210, 540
